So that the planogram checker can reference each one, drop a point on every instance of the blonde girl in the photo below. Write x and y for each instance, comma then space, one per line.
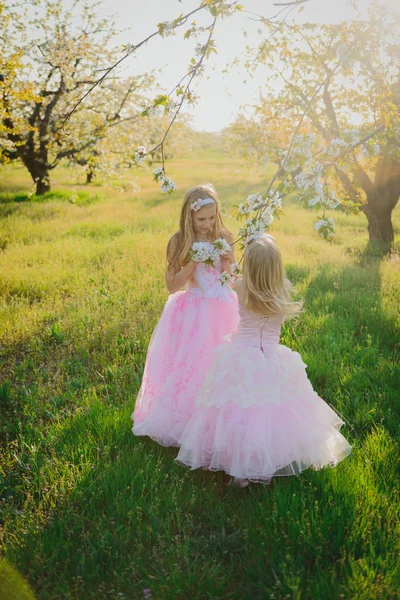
257, 415
193, 322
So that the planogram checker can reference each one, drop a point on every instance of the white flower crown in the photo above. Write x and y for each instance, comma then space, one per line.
197, 204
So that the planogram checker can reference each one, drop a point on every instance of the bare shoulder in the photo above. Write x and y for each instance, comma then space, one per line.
238, 285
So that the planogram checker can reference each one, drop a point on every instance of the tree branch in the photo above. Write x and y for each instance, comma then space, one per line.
181, 21
345, 181
330, 111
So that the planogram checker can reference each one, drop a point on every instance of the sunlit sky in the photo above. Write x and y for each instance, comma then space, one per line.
220, 95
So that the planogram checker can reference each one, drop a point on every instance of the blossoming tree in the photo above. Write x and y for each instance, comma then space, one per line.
59, 52
347, 152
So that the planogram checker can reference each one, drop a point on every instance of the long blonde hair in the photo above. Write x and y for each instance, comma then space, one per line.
185, 238
265, 287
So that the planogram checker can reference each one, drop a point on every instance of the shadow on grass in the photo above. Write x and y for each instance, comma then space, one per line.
81, 198
136, 520
351, 345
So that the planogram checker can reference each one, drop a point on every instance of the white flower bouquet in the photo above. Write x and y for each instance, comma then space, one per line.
209, 256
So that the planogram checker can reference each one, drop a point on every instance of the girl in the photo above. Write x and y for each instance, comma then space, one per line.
257, 414
192, 324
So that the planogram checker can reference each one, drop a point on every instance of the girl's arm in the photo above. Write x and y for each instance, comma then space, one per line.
228, 258
238, 287
175, 277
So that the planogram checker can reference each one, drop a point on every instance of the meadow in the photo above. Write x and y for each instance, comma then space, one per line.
90, 512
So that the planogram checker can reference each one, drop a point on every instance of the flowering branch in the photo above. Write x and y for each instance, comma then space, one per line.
162, 30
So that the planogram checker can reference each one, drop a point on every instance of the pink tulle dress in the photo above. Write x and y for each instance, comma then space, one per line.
180, 352
257, 415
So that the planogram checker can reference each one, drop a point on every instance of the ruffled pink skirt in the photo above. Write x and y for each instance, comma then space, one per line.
179, 356
258, 416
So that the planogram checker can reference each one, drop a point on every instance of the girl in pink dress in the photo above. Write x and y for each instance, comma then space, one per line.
257, 415
193, 322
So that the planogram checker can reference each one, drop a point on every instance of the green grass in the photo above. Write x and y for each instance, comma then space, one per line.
91, 512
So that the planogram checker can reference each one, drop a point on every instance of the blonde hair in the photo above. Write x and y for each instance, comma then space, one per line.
265, 287
180, 244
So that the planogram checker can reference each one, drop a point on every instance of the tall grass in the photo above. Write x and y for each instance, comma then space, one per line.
91, 512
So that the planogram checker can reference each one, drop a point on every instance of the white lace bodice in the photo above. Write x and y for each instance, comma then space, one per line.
206, 283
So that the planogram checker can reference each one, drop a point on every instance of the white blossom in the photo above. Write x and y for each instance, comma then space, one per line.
335, 147
353, 135
222, 246
235, 269
330, 200
266, 219
225, 278
244, 209
168, 185
325, 227
201, 253
139, 154
159, 174
170, 106
166, 28
274, 200
129, 48
199, 50
255, 201
343, 53
302, 182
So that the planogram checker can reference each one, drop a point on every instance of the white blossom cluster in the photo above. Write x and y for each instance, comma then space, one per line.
352, 135
325, 227
222, 246
199, 50
235, 269
170, 106
201, 253
166, 28
335, 147
253, 202
168, 185
375, 149
139, 155
158, 173
300, 153
129, 48
330, 200
311, 188
266, 206
226, 277
255, 227
371, 149
343, 53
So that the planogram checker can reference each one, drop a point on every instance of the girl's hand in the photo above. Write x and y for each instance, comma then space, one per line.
229, 256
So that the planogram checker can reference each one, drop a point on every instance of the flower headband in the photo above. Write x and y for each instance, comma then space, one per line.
197, 204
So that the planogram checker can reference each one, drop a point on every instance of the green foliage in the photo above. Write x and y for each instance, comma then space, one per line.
88, 510
81, 197
12, 585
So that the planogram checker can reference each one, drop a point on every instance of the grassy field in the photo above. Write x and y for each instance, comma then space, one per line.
90, 512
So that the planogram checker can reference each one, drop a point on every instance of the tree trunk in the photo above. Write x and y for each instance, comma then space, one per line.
39, 171
379, 218
42, 185
382, 199
90, 176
